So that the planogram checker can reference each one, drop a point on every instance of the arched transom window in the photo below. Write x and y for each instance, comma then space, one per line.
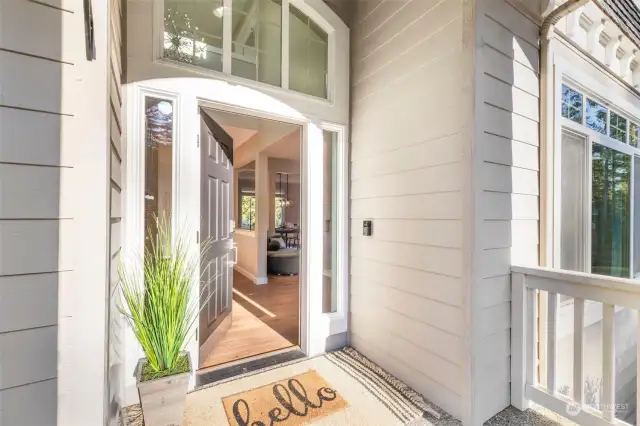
269, 41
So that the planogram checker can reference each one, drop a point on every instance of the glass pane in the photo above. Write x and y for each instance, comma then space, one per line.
158, 160
611, 180
193, 32
626, 363
308, 55
571, 104
592, 354
257, 40
633, 134
618, 127
330, 214
573, 201
247, 197
596, 117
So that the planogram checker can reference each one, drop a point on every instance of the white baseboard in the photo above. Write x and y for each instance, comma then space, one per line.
261, 280
245, 273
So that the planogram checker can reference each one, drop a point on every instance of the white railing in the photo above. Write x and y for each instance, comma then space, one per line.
531, 361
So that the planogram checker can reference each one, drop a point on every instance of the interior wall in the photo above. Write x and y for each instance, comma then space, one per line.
292, 213
407, 177
247, 253
245, 239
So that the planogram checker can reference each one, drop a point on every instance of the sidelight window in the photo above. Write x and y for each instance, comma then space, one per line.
158, 195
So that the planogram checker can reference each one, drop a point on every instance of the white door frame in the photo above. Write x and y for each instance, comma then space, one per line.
189, 94
304, 331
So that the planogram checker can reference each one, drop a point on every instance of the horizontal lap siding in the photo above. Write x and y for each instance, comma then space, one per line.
508, 185
36, 172
406, 176
116, 354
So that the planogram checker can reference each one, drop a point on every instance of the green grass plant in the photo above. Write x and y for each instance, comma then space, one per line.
157, 300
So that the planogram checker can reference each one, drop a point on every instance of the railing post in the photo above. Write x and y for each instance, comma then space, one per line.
578, 350
608, 360
552, 326
519, 338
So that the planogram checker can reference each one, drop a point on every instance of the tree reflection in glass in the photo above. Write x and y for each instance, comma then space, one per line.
610, 239
596, 116
571, 104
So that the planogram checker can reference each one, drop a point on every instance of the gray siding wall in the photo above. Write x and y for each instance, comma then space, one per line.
406, 280
507, 189
34, 167
116, 355
53, 214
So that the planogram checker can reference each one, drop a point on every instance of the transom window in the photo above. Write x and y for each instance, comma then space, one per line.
599, 168
194, 33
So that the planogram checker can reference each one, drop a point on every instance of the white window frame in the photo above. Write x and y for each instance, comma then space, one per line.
588, 88
338, 320
225, 74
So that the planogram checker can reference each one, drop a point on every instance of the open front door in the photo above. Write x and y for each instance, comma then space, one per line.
216, 207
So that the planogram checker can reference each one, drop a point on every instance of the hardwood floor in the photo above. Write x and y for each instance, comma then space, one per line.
265, 318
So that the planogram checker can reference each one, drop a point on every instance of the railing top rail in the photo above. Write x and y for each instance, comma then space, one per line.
580, 278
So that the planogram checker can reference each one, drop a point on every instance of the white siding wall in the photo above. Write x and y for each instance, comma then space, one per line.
507, 189
407, 176
52, 203
117, 146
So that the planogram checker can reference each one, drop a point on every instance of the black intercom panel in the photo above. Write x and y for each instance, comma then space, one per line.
367, 228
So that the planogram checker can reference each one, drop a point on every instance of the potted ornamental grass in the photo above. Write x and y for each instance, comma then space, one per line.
160, 309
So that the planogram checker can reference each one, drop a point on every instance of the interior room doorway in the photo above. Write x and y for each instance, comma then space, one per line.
250, 213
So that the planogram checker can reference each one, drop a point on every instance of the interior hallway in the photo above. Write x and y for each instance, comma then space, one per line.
265, 318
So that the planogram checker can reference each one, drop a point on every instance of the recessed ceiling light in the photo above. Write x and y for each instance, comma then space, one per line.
218, 11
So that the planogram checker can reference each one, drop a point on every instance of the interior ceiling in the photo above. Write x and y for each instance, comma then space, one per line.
239, 135
287, 148
241, 128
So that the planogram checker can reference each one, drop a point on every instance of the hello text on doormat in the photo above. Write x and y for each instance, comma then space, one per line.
290, 402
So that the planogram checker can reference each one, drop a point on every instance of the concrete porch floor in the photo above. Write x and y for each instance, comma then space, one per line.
369, 403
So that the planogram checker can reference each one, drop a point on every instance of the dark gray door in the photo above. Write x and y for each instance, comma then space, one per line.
216, 212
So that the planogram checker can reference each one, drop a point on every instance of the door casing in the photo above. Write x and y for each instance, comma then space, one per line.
187, 97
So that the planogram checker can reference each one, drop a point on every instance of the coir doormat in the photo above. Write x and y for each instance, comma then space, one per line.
291, 402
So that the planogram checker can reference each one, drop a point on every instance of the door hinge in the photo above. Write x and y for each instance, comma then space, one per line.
198, 141
198, 237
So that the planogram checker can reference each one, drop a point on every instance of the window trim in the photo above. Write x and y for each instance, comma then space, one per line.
225, 74
338, 320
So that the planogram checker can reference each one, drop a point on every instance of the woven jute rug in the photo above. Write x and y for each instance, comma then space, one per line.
355, 391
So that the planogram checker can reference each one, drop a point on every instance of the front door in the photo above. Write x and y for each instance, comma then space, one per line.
216, 207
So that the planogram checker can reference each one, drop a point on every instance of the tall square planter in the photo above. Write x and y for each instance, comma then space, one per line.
163, 399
